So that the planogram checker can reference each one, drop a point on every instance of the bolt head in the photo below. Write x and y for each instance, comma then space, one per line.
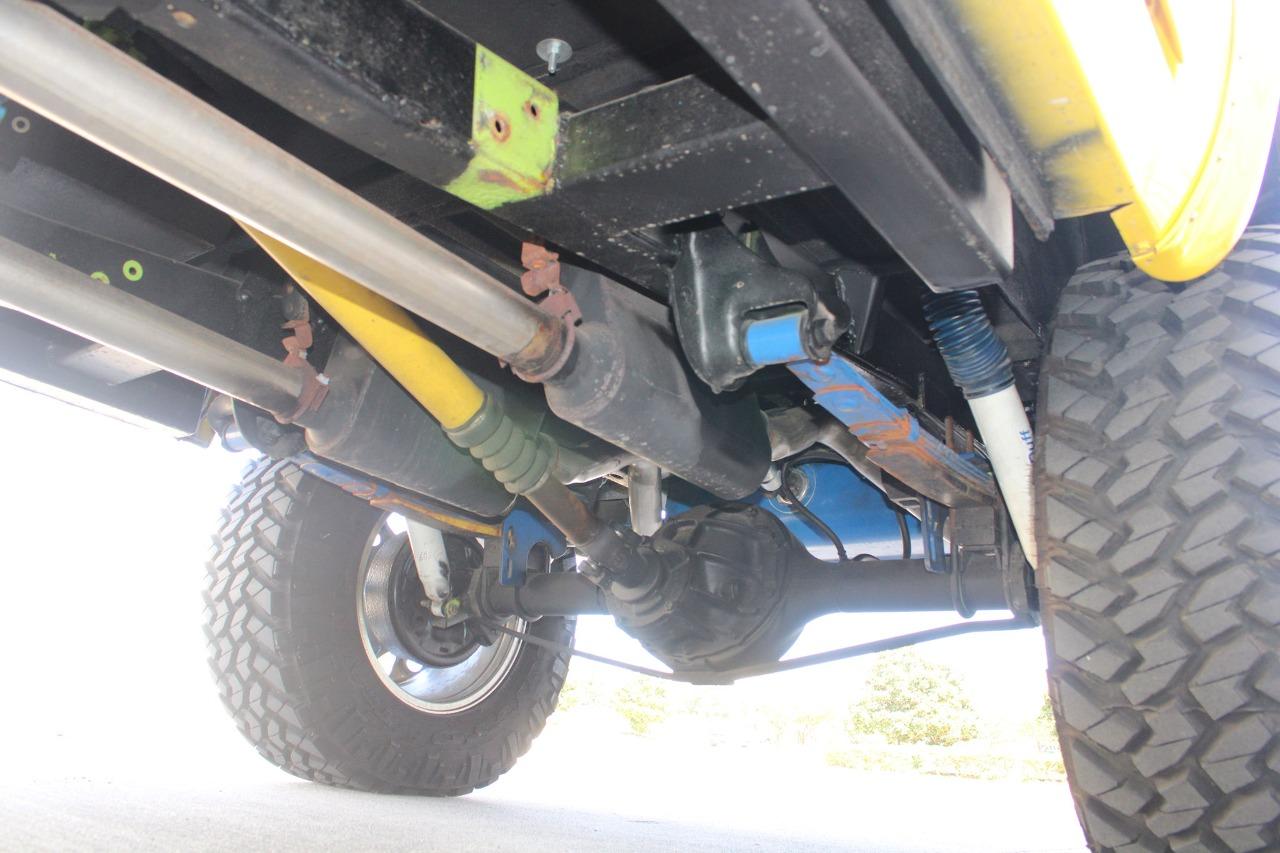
555, 52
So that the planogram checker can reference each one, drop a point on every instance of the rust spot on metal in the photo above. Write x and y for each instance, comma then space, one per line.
860, 390
545, 354
395, 503
315, 386
524, 186
918, 461
364, 491
531, 109
890, 433
565, 510
500, 126
894, 439
543, 268
502, 179
550, 347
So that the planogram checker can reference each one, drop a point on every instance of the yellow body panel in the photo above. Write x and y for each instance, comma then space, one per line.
1160, 111
388, 333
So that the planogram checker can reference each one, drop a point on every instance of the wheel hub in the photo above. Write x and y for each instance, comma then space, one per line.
434, 668
417, 628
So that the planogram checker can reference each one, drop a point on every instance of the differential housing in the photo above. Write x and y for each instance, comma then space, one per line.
717, 600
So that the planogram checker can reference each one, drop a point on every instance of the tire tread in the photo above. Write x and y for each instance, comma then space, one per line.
1159, 582
269, 687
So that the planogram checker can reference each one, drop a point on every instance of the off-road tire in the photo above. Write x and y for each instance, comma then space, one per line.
1158, 515
286, 651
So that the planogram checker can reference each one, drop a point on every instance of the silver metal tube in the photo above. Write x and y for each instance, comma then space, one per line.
644, 496
40, 286
81, 82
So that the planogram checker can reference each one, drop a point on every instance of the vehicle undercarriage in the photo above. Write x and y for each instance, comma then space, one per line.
715, 318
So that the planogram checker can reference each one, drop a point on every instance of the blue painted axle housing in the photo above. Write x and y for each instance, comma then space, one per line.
855, 510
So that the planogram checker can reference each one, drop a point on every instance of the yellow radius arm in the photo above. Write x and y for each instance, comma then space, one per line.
387, 332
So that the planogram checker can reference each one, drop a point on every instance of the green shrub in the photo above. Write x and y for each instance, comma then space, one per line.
912, 700
947, 761
642, 704
788, 726
1044, 730
571, 695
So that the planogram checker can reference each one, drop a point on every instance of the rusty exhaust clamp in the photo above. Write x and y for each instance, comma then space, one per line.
541, 282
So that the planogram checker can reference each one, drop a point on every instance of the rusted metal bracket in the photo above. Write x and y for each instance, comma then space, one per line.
315, 385
541, 283
895, 440
390, 499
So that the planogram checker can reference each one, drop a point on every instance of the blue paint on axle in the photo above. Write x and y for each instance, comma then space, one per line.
857, 511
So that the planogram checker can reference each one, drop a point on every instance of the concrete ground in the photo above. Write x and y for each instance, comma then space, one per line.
156, 784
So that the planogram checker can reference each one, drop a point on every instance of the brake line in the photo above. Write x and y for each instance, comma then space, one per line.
731, 675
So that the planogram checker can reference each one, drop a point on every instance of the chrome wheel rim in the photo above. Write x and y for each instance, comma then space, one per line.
427, 687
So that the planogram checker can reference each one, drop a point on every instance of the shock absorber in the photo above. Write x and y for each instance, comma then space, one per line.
979, 363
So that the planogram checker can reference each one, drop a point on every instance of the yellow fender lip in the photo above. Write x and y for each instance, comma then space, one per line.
1159, 112
1220, 194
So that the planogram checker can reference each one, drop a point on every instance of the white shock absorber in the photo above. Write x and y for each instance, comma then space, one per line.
979, 364
1006, 432
432, 562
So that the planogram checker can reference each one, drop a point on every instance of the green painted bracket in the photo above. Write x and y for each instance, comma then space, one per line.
514, 123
